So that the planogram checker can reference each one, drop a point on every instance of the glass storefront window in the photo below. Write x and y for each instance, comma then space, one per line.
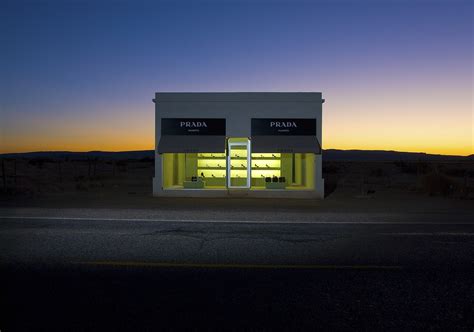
194, 170
211, 167
288, 171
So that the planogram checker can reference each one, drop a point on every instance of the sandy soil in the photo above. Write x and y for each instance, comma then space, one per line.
350, 186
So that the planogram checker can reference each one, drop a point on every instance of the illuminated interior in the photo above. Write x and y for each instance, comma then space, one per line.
295, 170
265, 165
212, 167
292, 171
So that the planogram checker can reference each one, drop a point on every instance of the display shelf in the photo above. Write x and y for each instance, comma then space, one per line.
212, 158
262, 165
266, 155
212, 168
257, 174
266, 165
264, 158
211, 155
265, 168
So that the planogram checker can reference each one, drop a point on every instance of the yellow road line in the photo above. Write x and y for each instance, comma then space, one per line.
240, 266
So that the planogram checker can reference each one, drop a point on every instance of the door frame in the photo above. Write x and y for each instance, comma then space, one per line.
249, 164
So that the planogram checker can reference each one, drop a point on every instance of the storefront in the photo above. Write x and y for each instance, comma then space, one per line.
238, 144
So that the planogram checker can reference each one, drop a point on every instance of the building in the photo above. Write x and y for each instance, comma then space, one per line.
238, 144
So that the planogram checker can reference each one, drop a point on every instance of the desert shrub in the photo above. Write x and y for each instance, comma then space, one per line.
435, 183
378, 172
457, 172
419, 167
122, 165
79, 178
82, 186
39, 162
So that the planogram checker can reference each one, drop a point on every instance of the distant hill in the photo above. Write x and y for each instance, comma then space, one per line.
381, 155
328, 155
82, 155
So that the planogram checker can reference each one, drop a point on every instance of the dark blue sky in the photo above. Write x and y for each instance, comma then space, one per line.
80, 75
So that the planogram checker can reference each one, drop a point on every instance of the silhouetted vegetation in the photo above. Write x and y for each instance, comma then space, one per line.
410, 167
435, 183
39, 176
378, 172
40, 162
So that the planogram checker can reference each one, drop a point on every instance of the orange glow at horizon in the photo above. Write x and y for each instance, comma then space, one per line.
380, 138
415, 123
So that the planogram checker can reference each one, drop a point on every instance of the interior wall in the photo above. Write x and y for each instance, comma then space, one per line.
309, 171
168, 169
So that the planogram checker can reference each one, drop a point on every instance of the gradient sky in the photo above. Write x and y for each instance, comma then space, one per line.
80, 75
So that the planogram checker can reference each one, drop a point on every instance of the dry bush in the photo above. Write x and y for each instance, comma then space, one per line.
435, 183
458, 172
419, 167
39, 162
82, 186
378, 172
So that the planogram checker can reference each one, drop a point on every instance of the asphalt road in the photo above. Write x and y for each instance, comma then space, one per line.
338, 272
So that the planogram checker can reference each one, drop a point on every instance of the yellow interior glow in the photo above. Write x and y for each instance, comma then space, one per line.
238, 163
266, 155
262, 164
238, 173
212, 163
218, 173
265, 173
211, 155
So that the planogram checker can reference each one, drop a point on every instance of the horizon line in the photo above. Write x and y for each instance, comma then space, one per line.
128, 151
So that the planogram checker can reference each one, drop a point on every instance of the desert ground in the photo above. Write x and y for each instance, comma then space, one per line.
349, 186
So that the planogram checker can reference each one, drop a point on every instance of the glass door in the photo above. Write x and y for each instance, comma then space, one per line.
238, 163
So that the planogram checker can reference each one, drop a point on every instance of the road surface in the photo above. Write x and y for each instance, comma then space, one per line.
332, 271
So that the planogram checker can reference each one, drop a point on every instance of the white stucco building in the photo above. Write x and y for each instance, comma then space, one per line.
238, 144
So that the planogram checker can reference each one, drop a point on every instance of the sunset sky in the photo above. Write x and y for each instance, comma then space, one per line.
81, 75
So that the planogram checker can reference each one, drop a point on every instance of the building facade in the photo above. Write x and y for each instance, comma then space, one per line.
238, 144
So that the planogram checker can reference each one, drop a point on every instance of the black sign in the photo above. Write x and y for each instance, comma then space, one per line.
194, 126
300, 127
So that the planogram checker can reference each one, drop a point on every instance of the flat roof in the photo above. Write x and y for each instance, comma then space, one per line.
239, 97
